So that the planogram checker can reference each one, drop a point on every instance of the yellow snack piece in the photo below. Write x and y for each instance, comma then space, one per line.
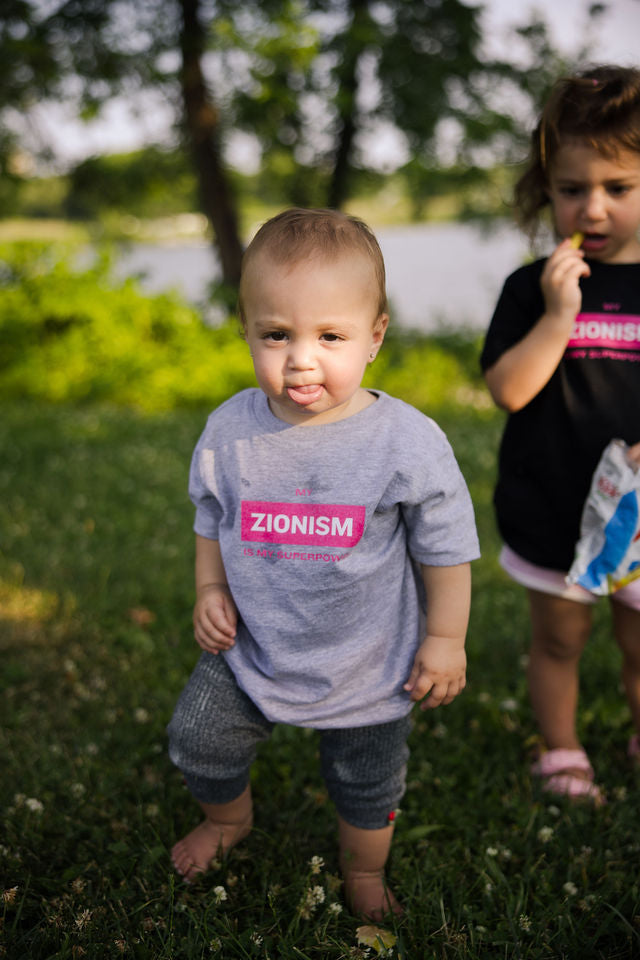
576, 239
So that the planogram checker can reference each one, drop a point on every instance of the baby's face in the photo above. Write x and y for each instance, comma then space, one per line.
312, 327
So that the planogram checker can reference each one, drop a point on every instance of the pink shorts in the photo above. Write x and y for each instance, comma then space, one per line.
554, 581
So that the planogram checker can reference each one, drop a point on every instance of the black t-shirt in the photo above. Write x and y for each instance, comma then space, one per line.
551, 447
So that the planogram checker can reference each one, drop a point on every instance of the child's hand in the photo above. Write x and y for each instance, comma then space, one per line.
215, 618
439, 669
633, 453
559, 282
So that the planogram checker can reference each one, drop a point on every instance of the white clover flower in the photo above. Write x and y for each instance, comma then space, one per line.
481, 930
524, 922
83, 919
34, 805
215, 945
257, 939
335, 908
78, 789
19, 799
553, 811
318, 894
439, 731
587, 902
492, 851
570, 889
220, 894
152, 809
509, 705
484, 697
620, 793
92, 749
316, 864
545, 834
140, 715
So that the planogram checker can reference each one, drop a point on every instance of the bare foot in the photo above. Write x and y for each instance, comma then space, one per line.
193, 854
369, 896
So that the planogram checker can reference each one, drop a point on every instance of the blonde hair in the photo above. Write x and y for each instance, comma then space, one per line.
599, 107
298, 234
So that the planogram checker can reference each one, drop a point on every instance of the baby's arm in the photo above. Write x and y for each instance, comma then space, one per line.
215, 616
523, 370
439, 667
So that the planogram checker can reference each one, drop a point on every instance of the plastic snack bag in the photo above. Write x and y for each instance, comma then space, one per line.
608, 552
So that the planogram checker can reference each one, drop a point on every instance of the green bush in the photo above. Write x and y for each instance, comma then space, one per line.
72, 334
79, 335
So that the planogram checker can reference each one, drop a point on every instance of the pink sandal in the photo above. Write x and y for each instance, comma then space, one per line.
553, 767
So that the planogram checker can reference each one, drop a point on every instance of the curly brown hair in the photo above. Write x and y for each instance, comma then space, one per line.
599, 107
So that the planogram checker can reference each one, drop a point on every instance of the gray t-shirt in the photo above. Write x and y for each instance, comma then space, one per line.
321, 529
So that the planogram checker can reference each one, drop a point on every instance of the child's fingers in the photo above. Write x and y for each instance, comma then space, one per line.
419, 684
633, 453
212, 629
442, 694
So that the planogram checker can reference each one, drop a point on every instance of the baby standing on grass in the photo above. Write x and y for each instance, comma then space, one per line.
325, 514
562, 356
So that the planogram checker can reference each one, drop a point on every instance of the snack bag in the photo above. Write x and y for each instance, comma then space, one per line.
608, 551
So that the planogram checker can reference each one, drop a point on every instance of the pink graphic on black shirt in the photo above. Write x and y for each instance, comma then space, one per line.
619, 331
308, 524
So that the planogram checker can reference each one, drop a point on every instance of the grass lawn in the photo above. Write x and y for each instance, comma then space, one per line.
95, 639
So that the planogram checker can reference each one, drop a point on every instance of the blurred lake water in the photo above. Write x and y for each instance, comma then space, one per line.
439, 275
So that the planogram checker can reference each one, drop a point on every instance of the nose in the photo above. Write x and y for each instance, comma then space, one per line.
301, 355
595, 206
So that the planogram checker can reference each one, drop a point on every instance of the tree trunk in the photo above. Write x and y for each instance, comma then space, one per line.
355, 43
202, 122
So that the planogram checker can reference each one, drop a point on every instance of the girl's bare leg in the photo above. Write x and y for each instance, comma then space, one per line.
225, 824
559, 631
363, 855
626, 626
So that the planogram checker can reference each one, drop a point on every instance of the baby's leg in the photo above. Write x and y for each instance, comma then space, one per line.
213, 736
364, 769
225, 824
626, 625
363, 855
559, 631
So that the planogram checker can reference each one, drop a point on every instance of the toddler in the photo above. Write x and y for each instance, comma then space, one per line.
562, 356
334, 534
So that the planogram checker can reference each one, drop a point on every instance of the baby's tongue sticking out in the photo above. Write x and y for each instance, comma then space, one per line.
305, 395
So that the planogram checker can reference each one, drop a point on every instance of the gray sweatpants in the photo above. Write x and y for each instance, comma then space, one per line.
216, 728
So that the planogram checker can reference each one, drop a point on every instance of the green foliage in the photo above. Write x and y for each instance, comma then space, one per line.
78, 335
146, 183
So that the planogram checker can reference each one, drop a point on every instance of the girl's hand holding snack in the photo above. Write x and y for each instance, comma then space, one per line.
215, 618
439, 669
560, 282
